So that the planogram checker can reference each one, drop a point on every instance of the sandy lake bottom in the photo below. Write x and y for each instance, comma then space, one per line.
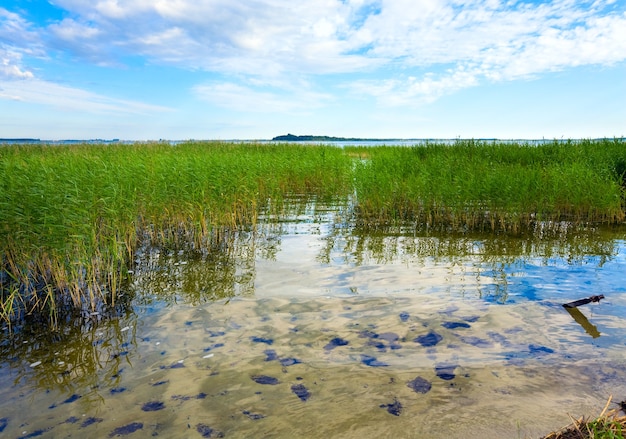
327, 336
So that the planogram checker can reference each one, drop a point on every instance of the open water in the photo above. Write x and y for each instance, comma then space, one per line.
311, 328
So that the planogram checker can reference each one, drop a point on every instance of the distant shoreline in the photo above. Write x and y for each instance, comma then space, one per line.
20, 140
303, 138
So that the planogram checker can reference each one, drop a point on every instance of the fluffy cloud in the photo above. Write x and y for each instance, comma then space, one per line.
72, 99
263, 100
418, 50
10, 66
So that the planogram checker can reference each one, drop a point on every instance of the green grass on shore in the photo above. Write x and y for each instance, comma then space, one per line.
610, 424
72, 217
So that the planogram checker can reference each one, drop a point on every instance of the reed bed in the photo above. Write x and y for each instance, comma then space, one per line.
491, 186
72, 217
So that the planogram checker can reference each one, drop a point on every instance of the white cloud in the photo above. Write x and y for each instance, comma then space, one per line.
16, 32
419, 50
72, 99
10, 66
260, 99
16, 40
414, 91
323, 35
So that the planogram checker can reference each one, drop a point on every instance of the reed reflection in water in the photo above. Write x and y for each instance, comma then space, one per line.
311, 326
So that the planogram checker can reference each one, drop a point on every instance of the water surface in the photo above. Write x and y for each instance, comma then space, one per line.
312, 328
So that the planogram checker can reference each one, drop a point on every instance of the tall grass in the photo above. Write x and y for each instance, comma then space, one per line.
71, 217
472, 185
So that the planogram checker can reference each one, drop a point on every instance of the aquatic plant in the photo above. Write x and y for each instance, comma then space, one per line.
72, 216
494, 186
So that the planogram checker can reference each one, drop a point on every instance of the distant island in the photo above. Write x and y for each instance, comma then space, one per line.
310, 138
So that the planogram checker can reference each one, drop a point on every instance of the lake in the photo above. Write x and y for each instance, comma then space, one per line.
312, 327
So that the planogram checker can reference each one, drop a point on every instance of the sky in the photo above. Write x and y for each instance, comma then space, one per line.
255, 69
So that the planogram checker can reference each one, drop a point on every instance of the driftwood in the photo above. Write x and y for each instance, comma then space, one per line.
580, 302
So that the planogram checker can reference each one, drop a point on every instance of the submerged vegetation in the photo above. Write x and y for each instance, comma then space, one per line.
73, 218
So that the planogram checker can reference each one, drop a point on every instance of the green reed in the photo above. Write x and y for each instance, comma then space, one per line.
71, 217
473, 185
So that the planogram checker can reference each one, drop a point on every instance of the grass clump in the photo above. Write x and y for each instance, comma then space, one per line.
491, 186
71, 217
609, 425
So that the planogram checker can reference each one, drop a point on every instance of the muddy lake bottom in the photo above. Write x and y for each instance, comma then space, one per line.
325, 338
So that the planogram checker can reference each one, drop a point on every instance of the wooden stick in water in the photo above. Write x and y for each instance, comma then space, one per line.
580, 302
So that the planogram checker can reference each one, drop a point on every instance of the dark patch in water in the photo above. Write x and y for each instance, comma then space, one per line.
36, 433
200, 395
536, 349
335, 342
271, 355
455, 325
262, 340
3, 423
378, 340
206, 431
476, 341
289, 361
419, 385
471, 319
301, 391
71, 399
395, 408
70, 420
153, 406
253, 416
215, 346
126, 429
177, 365
368, 360
382, 347
216, 333
430, 339
160, 383
367, 334
404, 316
89, 421
446, 371
117, 390
264, 379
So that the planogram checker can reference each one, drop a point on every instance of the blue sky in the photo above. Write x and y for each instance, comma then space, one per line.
255, 69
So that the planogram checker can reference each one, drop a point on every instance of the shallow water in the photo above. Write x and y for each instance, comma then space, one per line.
311, 329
